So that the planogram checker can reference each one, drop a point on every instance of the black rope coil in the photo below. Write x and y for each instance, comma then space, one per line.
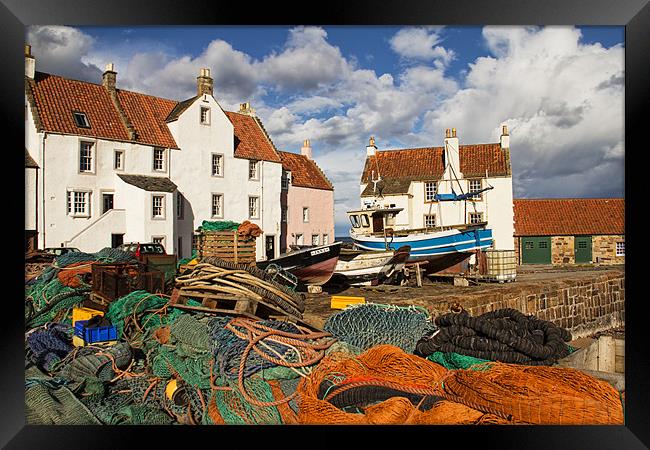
505, 335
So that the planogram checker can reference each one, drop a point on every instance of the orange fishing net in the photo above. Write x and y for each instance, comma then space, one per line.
536, 394
73, 275
385, 385
248, 229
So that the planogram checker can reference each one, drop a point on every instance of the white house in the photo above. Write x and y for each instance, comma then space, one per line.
119, 166
410, 178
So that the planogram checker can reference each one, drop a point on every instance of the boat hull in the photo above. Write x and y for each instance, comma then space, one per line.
370, 266
440, 249
312, 266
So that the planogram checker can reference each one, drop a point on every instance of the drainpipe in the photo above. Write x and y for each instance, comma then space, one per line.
43, 198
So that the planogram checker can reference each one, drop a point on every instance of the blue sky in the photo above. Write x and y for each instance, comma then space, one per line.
559, 90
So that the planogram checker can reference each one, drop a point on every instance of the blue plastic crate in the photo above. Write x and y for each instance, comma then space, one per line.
96, 334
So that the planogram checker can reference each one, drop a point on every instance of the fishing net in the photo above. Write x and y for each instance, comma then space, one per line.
504, 335
45, 301
368, 324
535, 394
222, 225
49, 345
453, 360
132, 304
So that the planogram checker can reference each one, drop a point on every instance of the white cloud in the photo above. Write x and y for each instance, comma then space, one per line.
420, 43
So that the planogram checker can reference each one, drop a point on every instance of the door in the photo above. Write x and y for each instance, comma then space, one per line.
117, 240
270, 247
107, 202
536, 250
583, 249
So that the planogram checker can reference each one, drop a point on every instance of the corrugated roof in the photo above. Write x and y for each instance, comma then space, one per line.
418, 164
156, 184
304, 171
569, 216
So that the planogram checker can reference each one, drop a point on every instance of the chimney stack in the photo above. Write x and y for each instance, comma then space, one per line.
505, 137
452, 152
109, 78
306, 149
30, 62
371, 149
204, 82
245, 108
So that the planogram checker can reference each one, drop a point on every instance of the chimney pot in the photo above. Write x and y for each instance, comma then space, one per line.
453, 132
204, 82
30, 62
504, 130
447, 133
306, 149
28, 50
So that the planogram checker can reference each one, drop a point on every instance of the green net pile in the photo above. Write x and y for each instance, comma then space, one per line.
45, 301
222, 225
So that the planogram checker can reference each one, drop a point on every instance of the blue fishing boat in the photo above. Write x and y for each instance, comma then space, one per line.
439, 248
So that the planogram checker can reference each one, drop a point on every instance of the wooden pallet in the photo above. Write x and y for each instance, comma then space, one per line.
233, 305
227, 245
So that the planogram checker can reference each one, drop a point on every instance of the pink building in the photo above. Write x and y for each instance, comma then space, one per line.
307, 200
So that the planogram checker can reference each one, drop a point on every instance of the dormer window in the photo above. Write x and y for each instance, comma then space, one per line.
205, 115
80, 119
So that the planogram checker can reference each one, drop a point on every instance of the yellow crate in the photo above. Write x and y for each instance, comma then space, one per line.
78, 342
84, 314
342, 301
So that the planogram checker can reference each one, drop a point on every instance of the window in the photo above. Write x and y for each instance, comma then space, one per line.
217, 205
542, 244
430, 189
429, 220
80, 119
284, 214
252, 170
286, 179
620, 249
217, 165
86, 157
299, 239
205, 115
253, 207
78, 203
305, 215
315, 239
158, 240
475, 185
180, 206
158, 206
528, 245
118, 160
365, 222
326, 239
107, 202
476, 217
354, 220
582, 244
158, 159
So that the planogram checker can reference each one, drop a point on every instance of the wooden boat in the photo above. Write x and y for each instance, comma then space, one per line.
357, 267
311, 265
439, 247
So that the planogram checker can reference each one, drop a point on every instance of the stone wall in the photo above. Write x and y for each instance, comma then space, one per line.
562, 250
584, 305
604, 249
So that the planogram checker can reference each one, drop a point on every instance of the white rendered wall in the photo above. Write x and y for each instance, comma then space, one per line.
191, 171
30, 198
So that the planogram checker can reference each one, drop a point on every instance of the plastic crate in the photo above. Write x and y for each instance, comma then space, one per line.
84, 314
95, 334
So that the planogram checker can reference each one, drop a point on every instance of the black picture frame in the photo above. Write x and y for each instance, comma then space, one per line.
15, 15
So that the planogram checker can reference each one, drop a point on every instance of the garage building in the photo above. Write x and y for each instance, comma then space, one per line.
570, 231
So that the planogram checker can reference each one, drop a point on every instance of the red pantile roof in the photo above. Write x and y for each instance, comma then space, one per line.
304, 171
148, 114
251, 140
57, 97
569, 216
428, 163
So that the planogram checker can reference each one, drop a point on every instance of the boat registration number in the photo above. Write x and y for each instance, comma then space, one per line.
318, 252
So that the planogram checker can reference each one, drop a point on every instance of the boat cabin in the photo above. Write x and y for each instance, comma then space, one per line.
372, 220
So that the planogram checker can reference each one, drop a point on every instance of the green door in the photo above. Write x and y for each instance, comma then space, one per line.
536, 250
583, 249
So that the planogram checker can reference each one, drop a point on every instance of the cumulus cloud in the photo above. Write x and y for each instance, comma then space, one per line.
420, 43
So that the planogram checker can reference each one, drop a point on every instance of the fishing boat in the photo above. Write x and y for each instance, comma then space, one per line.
358, 267
312, 266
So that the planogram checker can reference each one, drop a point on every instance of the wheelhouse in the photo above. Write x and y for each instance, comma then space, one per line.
372, 221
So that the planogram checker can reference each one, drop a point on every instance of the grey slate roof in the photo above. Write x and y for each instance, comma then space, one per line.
180, 108
388, 187
29, 161
157, 184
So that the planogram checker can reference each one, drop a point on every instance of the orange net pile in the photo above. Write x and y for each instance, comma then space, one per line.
536, 395
76, 274
384, 385
248, 229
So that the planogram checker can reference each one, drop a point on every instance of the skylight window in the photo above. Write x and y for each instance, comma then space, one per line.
81, 120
